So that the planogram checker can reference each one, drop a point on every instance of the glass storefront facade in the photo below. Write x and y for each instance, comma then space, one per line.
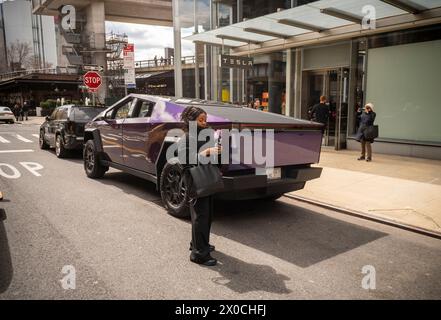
266, 82
397, 71
403, 80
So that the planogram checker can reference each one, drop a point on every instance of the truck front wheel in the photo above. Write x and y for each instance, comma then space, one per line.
174, 190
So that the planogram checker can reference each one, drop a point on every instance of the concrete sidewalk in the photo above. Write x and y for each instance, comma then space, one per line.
394, 188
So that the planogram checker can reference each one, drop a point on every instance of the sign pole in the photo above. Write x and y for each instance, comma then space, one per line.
93, 99
129, 67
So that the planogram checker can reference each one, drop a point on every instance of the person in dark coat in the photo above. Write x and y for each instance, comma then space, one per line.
25, 111
201, 216
17, 111
367, 119
320, 112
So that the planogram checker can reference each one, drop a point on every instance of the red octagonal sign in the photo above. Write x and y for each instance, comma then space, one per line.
92, 80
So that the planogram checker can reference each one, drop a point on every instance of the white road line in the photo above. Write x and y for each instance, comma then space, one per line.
36, 136
16, 151
19, 137
3, 140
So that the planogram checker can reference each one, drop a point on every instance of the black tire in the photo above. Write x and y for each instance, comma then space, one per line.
94, 169
60, 150
42, 142
174, 191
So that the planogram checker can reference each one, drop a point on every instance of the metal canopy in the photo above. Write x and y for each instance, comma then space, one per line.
265, 33
342, 15
317, 16
300, 25
408, 6
233, 38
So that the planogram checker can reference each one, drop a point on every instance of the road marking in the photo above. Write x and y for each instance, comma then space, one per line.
16, 151
12, 172
36, 136
3, 140
32, 167
15, 173
19, 137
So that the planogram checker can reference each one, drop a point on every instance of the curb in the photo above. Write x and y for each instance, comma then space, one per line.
369, 217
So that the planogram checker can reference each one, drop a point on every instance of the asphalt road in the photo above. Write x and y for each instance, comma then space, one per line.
123, 245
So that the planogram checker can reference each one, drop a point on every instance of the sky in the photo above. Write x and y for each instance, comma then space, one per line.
149, 40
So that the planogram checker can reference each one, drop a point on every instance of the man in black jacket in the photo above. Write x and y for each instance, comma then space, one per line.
320, 112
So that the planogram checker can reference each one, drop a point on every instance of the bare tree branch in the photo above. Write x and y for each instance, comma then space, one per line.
18, 55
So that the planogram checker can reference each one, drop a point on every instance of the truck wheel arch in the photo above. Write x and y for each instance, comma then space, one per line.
162, 157
96, 137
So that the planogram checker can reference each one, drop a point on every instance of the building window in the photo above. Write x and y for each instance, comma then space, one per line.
266, 82
403, 84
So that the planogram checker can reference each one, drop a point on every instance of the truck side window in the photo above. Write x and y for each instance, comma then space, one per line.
123, 111
145, 109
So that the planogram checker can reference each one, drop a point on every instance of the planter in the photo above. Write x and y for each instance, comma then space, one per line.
46, 112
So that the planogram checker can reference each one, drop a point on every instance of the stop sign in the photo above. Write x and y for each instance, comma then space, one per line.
92, 80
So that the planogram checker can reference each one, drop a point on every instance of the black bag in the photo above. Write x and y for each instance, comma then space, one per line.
206, 180
371, 133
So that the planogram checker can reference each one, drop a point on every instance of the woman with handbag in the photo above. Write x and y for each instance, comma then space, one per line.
364, 134
201, 211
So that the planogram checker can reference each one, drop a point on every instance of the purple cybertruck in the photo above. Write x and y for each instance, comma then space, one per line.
135, 134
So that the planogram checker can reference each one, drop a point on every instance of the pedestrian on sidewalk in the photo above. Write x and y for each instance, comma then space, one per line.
25, 111
320, 113
1, 196
201, 216
367, 120
257, 104
17, 111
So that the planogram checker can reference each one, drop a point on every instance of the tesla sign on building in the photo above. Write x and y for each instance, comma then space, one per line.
227, 61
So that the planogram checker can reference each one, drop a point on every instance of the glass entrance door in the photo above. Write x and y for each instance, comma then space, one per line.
334, 84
